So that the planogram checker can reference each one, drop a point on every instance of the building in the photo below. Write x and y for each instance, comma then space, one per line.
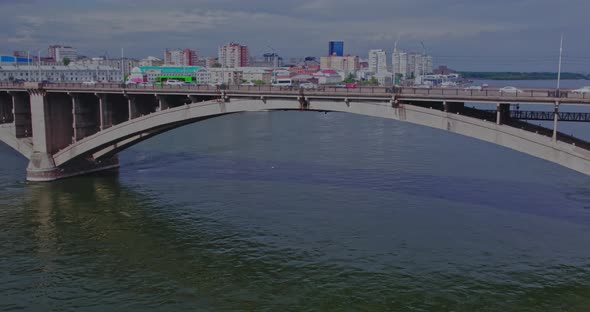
345, 64
228, 76
377, 61
251, 74
210, 61
58, 53
336, 48
128, 63
153, 73
411, 65
151, 61
327, 76
233, 55
59, 73
384, 78
184, 57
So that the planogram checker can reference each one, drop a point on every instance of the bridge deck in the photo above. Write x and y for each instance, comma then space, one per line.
488, 95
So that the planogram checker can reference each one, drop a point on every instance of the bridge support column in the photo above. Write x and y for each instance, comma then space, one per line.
21, 109
53, 129
41, 166
555, 120
139, 105
113, 110
445, 107
6, 111
163, 102
503, 113
86, 115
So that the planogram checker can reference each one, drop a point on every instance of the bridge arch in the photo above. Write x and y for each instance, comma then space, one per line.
117, 138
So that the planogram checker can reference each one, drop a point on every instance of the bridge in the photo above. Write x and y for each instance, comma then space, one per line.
68, 129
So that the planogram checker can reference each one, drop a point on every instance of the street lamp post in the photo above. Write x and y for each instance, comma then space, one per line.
39, 63
423, 61
274, 63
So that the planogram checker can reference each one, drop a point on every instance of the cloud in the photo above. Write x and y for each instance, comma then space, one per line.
295, 28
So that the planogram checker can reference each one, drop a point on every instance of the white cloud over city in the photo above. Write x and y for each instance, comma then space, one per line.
462, 33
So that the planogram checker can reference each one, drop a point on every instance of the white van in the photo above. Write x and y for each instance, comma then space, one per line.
173, 82
283, 83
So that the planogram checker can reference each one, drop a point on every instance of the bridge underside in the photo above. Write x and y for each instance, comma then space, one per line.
86, 131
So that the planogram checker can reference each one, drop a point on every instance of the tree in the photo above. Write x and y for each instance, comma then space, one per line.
373, 81
66, 61
349, 79
258, 82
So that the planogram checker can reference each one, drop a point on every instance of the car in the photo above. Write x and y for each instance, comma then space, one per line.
510, 90
248, 84
582, 90
89, 83
173, 82
477, 88
144, 84
308, 85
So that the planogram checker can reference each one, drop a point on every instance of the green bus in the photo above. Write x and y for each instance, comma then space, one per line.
163, 78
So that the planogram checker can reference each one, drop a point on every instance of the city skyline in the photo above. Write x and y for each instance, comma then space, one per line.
513, 35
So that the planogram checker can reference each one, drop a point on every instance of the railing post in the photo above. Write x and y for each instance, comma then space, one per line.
498, 114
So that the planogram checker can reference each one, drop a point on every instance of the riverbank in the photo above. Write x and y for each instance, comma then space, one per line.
522, 76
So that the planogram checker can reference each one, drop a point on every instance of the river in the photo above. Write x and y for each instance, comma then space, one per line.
300, 211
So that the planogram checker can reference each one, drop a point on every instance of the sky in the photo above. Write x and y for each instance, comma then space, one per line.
497, 35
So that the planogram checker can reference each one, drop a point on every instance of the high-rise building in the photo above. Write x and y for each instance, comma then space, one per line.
411, 65
340, 63
184, 57
336, 48
233, 55
58, 53
377, 61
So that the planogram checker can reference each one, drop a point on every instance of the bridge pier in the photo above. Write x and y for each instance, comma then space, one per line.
53, 126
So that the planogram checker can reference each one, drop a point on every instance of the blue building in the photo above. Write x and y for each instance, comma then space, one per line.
12, 59
337, 48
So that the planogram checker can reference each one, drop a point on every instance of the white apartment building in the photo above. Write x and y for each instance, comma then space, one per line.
59, 73
128, 64
411, 65
377, 61
59, 53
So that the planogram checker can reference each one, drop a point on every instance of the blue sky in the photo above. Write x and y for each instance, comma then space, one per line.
464, 34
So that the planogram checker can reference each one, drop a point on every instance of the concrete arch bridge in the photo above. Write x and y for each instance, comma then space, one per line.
71, 129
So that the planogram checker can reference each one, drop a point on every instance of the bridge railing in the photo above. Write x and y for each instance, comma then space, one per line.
491, 92
325, 89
